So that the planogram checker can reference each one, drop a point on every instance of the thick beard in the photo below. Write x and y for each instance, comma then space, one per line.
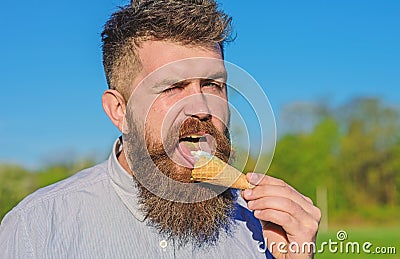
211, 212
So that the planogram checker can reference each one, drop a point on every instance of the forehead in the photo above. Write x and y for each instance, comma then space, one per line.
179, 62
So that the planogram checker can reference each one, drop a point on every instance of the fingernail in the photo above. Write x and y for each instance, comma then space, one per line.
250, 204
255, 178
247, 192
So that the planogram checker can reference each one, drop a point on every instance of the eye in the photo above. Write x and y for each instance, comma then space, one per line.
173, 89
213, 85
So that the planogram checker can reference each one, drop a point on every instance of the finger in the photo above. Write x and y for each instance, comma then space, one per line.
280, 204
293, 226
263, 179
289, 224
307, 199
268, 182
288, 206
279, 191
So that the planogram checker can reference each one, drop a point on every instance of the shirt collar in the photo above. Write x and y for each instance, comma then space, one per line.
123, 184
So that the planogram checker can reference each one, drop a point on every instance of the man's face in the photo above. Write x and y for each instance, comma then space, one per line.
176, 108
177, 83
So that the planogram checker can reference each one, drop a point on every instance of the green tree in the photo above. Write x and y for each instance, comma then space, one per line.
16, 183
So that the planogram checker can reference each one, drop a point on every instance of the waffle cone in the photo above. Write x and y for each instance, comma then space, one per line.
215, 171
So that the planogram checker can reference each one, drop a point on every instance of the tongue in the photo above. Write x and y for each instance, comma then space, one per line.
205, 144
185, 148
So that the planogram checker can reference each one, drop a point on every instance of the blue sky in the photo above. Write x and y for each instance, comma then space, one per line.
52, 78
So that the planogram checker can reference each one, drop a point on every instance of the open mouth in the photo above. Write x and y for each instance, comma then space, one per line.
195, 142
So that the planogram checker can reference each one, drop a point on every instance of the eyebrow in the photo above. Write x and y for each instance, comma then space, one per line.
166, 82
171, 81
219, 75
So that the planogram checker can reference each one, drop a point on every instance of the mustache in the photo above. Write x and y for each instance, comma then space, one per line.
187, 127
195, 126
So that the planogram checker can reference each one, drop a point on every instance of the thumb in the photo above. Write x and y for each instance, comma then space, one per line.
275, 238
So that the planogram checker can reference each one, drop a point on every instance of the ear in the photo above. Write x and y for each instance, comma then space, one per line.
114, 105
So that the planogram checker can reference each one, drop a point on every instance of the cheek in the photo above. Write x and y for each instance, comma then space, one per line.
140, 105
154, 121
220, 125
160, 118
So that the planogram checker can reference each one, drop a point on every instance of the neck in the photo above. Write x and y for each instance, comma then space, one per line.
123, 162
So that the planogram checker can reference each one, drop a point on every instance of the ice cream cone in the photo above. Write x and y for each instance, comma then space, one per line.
212, 170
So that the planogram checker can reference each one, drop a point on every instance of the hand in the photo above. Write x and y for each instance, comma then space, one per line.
286, 215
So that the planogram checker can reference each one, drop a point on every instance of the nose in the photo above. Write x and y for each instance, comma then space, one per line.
197, 107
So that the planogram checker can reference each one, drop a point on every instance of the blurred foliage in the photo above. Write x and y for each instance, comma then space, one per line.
17, 182
353, 151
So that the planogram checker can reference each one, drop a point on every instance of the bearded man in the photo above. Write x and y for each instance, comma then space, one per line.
168, 96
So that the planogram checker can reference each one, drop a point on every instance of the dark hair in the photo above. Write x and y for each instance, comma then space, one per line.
189, 22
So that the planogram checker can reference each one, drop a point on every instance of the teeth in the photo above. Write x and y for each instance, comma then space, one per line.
194, 136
